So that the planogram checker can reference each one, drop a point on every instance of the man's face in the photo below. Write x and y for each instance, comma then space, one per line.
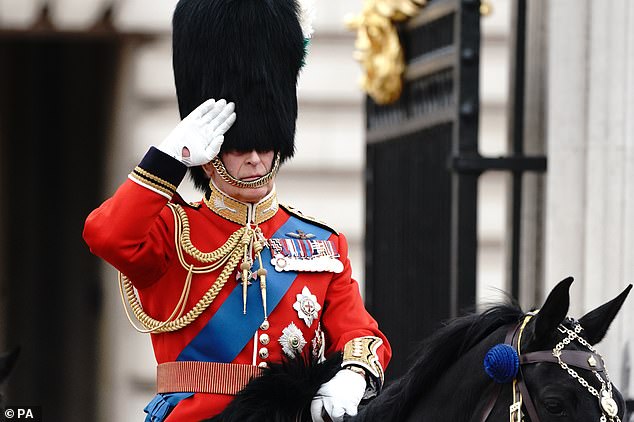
245, 166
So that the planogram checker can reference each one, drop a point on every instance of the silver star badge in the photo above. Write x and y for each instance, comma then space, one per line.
292, 341
307, 306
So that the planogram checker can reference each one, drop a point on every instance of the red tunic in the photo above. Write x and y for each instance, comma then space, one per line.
134, 231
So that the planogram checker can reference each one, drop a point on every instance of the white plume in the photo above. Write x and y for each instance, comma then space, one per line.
307, 15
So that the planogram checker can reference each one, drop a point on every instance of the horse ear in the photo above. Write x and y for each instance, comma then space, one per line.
552, 312
596, 323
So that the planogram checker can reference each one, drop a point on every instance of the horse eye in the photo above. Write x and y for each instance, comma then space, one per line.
555, 407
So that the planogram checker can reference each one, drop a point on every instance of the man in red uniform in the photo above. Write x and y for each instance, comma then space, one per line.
236, 281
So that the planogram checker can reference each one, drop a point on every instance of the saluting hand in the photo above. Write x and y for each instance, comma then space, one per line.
197, 139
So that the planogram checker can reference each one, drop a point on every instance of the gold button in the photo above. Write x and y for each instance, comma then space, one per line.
264, 339
265, 325
263, 365
263, 353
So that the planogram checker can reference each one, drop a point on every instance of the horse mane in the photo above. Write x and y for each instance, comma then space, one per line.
435, 355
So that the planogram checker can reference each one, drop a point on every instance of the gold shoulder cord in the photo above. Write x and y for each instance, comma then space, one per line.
228, 255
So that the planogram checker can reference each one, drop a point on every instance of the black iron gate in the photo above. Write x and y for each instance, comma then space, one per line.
423, 167
420, 222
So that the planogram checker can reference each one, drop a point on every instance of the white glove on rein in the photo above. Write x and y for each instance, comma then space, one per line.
339, 396
197, 139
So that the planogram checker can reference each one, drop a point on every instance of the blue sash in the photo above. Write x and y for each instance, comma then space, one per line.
162, 405
229, 330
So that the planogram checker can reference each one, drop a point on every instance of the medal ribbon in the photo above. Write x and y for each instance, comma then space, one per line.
302, 248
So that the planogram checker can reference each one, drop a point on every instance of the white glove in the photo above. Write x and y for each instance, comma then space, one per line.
339, 396
197, 139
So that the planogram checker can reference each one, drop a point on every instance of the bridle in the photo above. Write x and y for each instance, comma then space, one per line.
568, 360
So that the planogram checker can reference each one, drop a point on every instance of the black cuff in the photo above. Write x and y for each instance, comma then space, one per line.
159, 172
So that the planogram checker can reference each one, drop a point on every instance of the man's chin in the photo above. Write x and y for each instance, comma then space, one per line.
252, 195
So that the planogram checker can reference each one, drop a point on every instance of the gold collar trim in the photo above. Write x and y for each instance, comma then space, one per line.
241, 212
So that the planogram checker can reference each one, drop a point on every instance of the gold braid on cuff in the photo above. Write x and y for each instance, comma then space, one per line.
361, 352
257, 183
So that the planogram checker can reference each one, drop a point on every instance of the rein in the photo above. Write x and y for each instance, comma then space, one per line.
589, 360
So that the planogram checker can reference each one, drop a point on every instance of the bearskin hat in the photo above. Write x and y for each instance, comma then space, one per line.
246, 51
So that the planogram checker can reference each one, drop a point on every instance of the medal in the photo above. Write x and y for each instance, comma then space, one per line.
292, 341
307, 307
305, 254
319, 345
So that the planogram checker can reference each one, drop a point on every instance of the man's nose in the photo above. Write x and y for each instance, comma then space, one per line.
254, 157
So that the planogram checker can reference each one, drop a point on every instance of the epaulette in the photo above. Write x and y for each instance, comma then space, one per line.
297, 213
177, 199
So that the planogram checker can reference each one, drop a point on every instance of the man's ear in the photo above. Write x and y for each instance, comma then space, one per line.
208, 169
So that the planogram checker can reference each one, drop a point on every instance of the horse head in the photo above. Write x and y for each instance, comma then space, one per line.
542, 365
561, 376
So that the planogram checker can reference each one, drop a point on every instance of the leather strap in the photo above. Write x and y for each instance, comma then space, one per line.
526, 398
494, 394
204, 377
496, 388
577, 358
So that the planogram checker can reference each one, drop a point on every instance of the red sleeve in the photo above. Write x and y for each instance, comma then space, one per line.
344, 316
133, 230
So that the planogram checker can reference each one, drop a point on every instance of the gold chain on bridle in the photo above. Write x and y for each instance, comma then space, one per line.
229, 254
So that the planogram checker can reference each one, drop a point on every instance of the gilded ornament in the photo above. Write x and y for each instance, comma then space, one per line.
486, 8
378, 47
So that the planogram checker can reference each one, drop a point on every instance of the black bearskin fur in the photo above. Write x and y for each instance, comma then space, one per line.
282, 394
246, 51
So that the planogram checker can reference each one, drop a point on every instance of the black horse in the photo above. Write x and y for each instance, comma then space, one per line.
543, 364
